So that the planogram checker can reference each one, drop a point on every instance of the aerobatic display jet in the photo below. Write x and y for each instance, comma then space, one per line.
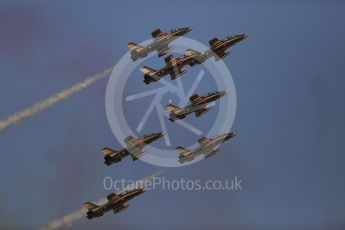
207, 146
116, 202
160, 43
173, 67
134, 147
197, 105
217, 49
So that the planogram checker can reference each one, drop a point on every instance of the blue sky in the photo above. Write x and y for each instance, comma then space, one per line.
289, 78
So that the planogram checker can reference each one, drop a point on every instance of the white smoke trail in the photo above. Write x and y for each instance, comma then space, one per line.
69, 219
51, 101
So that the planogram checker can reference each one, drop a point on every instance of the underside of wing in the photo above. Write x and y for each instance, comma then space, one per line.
137, 154
200, 112
207, 155
120, 208
163, 50
221, 55
176, 73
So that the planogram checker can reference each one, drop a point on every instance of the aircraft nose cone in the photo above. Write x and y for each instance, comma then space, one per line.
233, 134
159, 135
243, 36
142, 191
230, 135
186, 30
223, 93
139, 191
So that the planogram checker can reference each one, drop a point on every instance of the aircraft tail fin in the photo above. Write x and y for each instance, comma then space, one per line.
147, 70
191, 52
182, 151
132, 46
171, 108
90, 206
106, 151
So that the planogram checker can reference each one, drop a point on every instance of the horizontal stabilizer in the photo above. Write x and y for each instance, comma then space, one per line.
182, 151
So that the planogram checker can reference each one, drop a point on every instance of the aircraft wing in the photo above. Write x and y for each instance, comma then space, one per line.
120, 208
163, 50
221, 55
175, 72
200, 112
207, 155
137, 153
